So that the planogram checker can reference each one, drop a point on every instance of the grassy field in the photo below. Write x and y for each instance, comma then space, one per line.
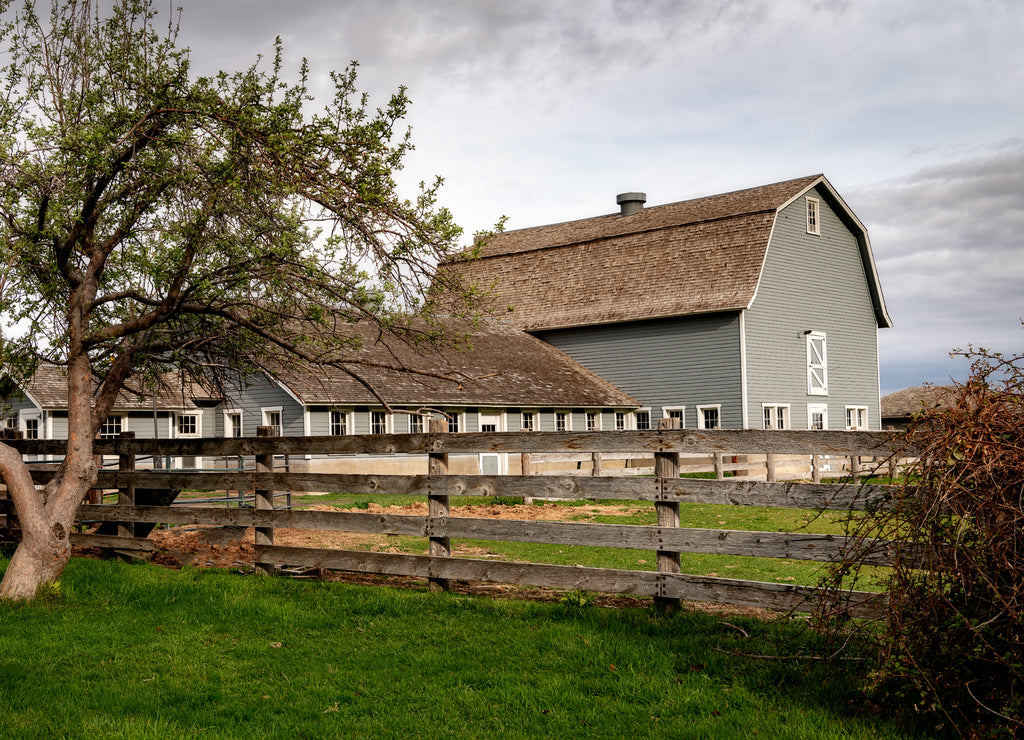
708, 516
136, 651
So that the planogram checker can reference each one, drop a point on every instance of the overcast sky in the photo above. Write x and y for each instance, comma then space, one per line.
544, 110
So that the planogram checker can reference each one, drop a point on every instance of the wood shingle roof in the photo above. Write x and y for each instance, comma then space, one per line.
48, 388
696, 256
499, 366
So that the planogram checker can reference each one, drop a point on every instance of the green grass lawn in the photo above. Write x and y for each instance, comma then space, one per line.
707, 516
136, 651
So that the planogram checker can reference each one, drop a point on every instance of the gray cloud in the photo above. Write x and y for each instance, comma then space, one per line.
949, 241
545, 109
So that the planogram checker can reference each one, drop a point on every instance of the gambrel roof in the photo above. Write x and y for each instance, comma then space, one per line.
496, 365
697, 256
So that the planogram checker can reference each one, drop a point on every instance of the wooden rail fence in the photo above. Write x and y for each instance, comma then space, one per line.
665, 489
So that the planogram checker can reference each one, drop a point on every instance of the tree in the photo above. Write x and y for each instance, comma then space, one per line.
152, 220
950, 649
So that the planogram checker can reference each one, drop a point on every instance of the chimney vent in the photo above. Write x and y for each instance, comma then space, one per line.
630, 203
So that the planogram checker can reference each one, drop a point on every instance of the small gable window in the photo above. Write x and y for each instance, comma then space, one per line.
813, 217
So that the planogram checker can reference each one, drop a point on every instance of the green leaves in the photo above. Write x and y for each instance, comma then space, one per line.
225, 221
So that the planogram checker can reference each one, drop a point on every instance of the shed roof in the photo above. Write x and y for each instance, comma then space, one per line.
499, 365
910, 402
697, 256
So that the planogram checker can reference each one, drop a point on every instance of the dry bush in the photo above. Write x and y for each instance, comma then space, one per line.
951, 647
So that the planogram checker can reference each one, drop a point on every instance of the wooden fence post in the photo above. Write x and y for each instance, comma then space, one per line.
719, 466
126, 494
666, 466
855, 468
769, 464
526, 469
264, 501
596, 467
438, 505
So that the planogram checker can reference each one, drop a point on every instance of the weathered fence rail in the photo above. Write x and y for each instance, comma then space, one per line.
665, 489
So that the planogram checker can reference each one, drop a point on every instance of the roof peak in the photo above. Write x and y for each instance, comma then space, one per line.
757, 199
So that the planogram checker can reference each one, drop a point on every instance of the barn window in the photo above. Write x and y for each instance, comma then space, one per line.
776, 416
188, 425
857, 417
817, 416
678, 413
110, 428
272, 419
709, 417
813, 217
339, 423
232, 423
643, 419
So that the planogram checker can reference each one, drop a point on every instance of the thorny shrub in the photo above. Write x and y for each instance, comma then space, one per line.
951, 645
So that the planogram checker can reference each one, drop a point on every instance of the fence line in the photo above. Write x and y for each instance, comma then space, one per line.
665, 489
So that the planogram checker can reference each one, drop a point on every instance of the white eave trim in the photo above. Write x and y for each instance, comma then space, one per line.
291, 393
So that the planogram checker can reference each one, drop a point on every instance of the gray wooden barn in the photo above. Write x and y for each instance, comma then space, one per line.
753, 309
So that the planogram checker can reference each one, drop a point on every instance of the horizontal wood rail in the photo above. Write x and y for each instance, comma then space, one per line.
735, 442
664, 448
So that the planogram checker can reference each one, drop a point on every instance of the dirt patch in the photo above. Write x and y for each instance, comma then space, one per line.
232, 547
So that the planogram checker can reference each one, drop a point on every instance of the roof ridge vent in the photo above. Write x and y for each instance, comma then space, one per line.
630, 203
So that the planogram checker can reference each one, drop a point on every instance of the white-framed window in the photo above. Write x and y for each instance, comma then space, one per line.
593, 421
643, 419
272, 419
111, 427
817, 416
31, 427
528, 421
621, 421
186, 425
813, 216
817, 364
857, 418
492, 421
338, 422
378, 422
563, 421
675, 412
11, 422
232, 423
416, 423
454, 420
776, 415
709, 417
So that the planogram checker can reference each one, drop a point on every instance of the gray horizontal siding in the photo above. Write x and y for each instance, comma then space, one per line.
686, 361
812, 283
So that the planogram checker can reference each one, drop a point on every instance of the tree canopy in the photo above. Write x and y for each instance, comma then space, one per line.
147, 215
150, 218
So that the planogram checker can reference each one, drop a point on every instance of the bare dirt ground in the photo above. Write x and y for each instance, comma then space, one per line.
232, 548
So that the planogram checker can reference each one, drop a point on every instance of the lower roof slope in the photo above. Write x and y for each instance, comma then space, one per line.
48, 389
497, 365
